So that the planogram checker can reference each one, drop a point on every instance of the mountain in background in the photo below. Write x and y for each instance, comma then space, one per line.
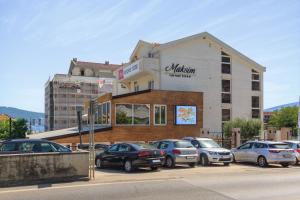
18, 113
281, 106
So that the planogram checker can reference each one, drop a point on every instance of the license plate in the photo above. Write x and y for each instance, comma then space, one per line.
190, 157
156, 161
287, 156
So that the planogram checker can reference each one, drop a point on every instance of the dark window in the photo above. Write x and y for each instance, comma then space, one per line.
163, 145
225, 114
113, 148
255, 113
225, 85
226, 98
226, 59
8, 147
82, 72
226, 68
124, 148
255, 85
224, 54
255, 77
255, 102
159, 114
246, 146
260, 145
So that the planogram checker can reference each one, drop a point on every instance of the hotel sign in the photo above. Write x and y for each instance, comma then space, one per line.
128, 71
176, 70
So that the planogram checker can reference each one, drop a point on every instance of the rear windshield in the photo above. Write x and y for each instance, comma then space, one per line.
183, 144
279, 146
143, 146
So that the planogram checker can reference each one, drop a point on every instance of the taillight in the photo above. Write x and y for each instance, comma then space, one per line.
274, 151
297, 150
143, 153
162, 153
176, 151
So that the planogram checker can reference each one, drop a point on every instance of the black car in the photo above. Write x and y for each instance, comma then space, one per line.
17, 146
130, 156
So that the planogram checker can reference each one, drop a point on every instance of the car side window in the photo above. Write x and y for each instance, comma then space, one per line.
260, 145
195, 143
8, 147
124, 148
26, 146
163, 145
246, 146
113, 148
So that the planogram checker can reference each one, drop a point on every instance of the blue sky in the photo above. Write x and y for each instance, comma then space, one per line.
39, 38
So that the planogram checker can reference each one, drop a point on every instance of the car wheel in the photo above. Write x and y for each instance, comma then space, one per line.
204, 160
192, 164
233, 159
170, 162
262, 162
154, 168
99, 164
285, 164
128, 166
226, 164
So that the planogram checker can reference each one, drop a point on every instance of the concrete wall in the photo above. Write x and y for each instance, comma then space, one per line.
26, 168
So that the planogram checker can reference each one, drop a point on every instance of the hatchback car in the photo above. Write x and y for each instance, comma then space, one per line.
17, 146
210, 152
178, 152
130, 156
296, 146
264, 153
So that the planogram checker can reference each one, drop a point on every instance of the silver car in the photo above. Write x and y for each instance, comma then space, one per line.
178, 152
264, 153
295, 145
210, 152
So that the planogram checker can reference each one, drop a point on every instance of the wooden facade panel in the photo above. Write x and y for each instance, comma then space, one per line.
149, 132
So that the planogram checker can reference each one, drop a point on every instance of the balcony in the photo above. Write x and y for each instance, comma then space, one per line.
143, 66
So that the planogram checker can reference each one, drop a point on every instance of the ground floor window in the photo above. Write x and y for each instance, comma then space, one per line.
225, 115
160, 114
132, 114
256, 113
102, 114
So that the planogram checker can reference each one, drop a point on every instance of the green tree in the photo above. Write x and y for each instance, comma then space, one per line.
249, 128
4, 130
285, 117
19, 128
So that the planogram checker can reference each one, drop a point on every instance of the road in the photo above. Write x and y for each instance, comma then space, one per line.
243, 182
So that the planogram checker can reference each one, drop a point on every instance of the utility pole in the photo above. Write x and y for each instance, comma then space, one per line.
92, 140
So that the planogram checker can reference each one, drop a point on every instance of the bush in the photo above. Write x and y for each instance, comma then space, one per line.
249, 128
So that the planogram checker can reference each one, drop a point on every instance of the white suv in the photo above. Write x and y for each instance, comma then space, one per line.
210, 152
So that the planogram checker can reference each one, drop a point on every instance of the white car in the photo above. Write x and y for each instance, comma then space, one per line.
296, 146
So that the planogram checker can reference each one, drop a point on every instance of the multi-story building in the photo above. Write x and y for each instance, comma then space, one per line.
66, 93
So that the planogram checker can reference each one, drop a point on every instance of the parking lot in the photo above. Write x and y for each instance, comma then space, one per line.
237, 181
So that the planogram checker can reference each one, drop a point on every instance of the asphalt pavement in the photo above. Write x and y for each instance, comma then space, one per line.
217, 183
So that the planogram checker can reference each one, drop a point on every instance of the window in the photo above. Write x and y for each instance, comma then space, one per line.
255, 80
226, 98
82, 72
8, 147
113, 148
160, 114
151, 84
132, 114
255, 107
102, 114
124, 148
225, 115
260, 145
246, 146
225, 85
163, 145
225, 63
136, 86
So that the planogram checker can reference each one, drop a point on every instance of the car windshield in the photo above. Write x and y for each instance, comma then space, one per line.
279, 146
208, 144
183, 144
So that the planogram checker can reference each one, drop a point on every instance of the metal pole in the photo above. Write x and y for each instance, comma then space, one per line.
10, 135
91, 142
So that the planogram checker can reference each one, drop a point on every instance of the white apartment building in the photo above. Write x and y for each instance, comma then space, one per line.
232, 83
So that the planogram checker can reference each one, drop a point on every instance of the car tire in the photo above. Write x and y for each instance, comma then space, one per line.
233, 159
204, 160
170, 162
154, 168
192, 165
285, 164
128, 166
262, 162
226, 163
99, 163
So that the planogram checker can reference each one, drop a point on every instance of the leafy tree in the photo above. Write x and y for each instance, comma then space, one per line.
18, 129
249, 128
285, 117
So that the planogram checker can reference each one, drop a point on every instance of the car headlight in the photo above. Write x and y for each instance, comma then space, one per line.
213, 153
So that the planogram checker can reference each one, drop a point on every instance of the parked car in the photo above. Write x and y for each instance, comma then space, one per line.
130, 156
17, 146
264, 153
210, 152
295, 145
178, 152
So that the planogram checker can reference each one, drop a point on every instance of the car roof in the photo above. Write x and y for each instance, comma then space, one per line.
170, 140
266, 142
292, 141
26, 140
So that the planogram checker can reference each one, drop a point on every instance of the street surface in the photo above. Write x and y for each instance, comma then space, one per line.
216, 183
